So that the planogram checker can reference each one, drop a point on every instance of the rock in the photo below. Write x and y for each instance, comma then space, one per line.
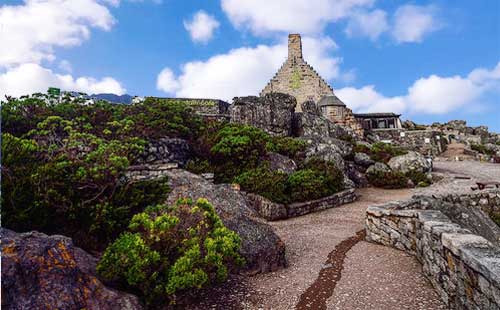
378, 167
166, 150
262, 249
409, 125
312, 125
281, 163
310, 107
49, 272
412, 161
272, 113
326, 149
363, 160
354, 173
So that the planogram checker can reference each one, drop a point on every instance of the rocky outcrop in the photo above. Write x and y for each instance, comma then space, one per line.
412, 161
166, 150
262, 249
278, 162
49, 272
272, 113
310, 107
378, 167
363, 160
313, 125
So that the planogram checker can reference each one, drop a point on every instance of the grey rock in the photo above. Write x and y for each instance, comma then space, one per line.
262, 249
378, 167
166, 150
278, 162
363, 160
272, 113
310, 107
40, 272
412, 161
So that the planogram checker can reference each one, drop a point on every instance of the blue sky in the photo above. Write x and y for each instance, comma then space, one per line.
429, 60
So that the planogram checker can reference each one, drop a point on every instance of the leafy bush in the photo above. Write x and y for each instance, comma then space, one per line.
171, 250
381, 152
291, 147
418, 178
482, 149
333, 176
306, 185
388, 180
496, 218
267, 183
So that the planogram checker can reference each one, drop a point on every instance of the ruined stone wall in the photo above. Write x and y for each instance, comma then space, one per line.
422, 141
463, 267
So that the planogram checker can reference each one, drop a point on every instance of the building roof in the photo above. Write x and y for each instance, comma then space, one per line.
330, 100
376, 115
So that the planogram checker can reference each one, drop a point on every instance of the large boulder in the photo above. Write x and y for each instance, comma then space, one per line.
313, 125
272, 113
262, 248
310, 107
412, 161
49, 272
378, 168
278, 162
166, 150
363, 160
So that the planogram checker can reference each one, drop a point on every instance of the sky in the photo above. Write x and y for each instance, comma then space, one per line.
428, 60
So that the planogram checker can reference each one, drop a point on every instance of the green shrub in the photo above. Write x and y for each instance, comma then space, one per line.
388, 180
306, 185
288, 146
381, 152
332, 175
418, 178
496, 218
199, 166
482, 149
171, 250
267, 183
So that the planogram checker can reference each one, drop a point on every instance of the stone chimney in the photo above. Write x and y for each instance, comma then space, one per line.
294, 47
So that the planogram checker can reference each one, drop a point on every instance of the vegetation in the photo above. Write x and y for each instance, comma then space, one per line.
388, 180
267, 183
169, 250
64, 164
381, 152
291, 147
496, 218
481, 148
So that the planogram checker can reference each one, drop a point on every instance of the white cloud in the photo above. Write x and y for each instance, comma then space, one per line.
370, 24
430, 95
29, 32
30, 78
244, 71
201, 27
65, 66
303, 16
412, 23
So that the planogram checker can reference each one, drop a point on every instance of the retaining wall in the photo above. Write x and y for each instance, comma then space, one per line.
462, 266
274, 211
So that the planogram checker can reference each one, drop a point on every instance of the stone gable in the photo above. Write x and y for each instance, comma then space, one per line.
297, 78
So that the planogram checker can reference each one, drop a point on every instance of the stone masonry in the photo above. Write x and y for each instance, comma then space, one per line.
463, 266
297, 78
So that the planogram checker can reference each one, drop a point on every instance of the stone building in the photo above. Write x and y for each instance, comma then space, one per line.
375, 121
299, 79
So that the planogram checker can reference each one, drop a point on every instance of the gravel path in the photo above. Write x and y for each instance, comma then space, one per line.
309, 241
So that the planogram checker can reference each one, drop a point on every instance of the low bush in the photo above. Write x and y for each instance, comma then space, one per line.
388, 180
482, 149
288, 146
496, 218
381, 152
306, 185
418, 178
267, 183
332, 175
171, 250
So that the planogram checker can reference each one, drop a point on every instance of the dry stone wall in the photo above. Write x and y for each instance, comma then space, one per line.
423, 141
275, 211
462, 266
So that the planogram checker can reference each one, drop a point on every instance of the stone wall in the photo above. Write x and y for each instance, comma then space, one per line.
462, 266
275, 211
165, 150
423, 141
212, 108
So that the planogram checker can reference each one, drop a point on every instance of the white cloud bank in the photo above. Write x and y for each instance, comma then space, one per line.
430, 95
244, 70
29, 34
412, 23
201, 27
304, 16
30, 78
